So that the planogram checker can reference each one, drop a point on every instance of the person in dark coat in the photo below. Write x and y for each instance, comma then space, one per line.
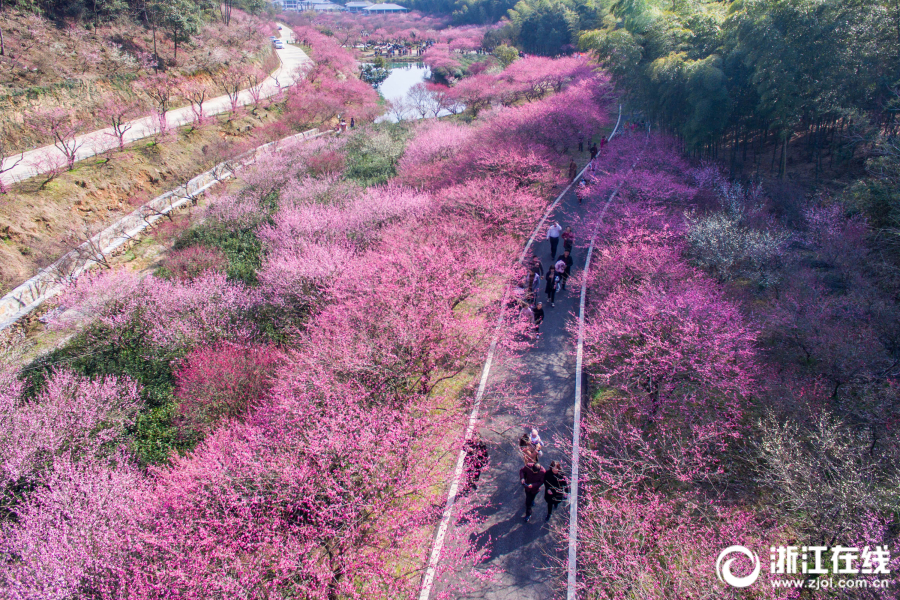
568, 238
532, 478
567, 259
556, 487
593, 150
476, 459
573, 170
552, 280
538, 317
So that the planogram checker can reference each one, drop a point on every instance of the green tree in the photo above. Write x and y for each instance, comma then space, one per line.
505, 54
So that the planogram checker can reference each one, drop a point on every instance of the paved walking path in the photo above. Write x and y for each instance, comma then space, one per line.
35, 162
523, 551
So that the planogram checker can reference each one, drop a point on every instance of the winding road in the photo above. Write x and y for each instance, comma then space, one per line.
34, 162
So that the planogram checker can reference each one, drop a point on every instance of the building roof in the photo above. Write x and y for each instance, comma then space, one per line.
386, 7
322, 5
358, 4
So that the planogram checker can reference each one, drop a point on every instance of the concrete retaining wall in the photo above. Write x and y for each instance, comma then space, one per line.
51, 280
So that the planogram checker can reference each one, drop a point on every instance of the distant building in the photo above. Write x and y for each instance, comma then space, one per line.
318, 6
387, 7
356, 7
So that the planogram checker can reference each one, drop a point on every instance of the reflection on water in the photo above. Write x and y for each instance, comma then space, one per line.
403, 76
396, 87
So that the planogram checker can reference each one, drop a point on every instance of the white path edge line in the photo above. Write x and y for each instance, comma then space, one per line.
571, 588
440, 536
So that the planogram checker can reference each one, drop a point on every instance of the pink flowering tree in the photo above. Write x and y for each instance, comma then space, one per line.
223, 382
232, 79
119, 114
205, 309
162, 89
72, 416
197, 94
61, 126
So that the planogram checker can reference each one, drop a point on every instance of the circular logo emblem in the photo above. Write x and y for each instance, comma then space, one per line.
723, 567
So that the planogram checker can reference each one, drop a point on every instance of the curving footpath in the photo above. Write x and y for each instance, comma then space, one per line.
34, 162
527, 554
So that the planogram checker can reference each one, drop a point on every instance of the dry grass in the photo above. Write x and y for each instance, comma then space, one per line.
38, 223
49, 66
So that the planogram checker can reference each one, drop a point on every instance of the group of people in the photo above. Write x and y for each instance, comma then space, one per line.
554, 280
533, 476
342, 124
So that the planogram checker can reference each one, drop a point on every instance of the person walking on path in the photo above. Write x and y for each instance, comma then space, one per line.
537, 267
527, 315
535, 438
556, 487
568, 238
602, 143
476, 459
553, 233
560, 268
535, 287
532, 478
530, 452
573, 170
566, 259
593, 151
552, 282
538, 317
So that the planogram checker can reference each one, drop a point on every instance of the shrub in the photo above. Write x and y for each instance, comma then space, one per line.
723, 246
187, 263
372, 155
239, 245
222, 381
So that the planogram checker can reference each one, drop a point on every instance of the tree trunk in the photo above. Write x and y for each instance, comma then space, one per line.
2, 51
774, 156
784, 151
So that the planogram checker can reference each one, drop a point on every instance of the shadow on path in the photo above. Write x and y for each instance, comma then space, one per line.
522, 551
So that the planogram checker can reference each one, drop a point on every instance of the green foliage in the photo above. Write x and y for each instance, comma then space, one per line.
707, 68
372, 153
95, 354
240, 245
506, 55
374, 73
102, 11
545, 27
159, 432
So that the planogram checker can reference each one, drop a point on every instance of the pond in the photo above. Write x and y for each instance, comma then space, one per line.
403, 76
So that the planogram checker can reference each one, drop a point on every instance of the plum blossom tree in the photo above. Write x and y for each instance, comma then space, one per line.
223, 382
196, 93
73, 416
119, 114
161, 88
63, 127
231, 79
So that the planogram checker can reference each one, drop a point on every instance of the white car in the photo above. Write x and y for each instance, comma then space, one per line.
279, 45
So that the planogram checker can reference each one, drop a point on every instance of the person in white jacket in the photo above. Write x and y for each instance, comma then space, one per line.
553, 233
